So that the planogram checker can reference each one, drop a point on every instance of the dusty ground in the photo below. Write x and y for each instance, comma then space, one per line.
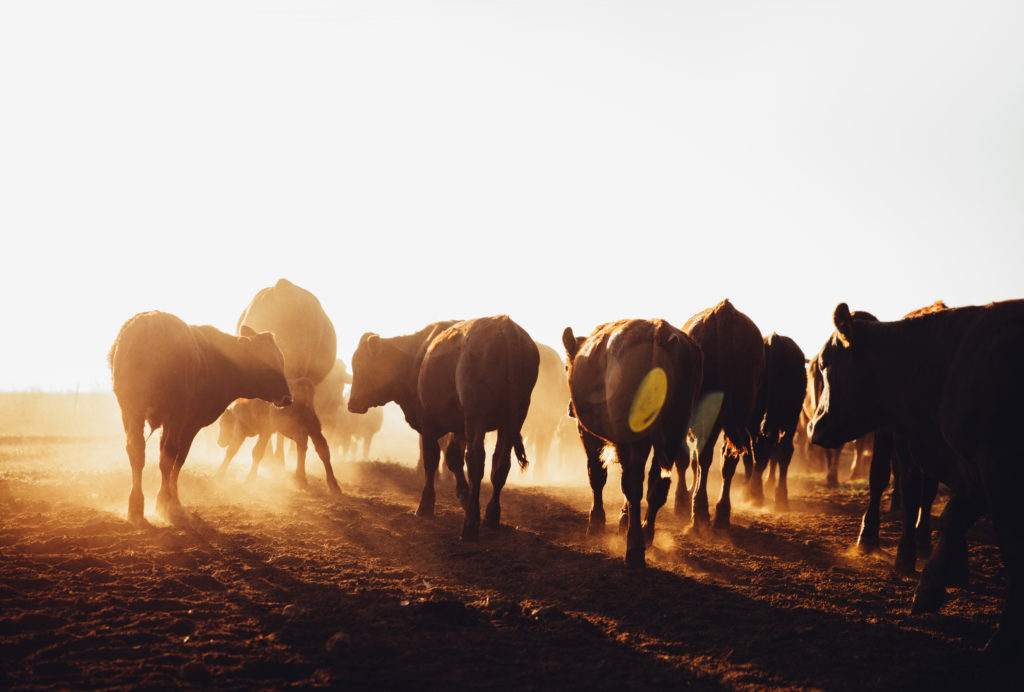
274, 586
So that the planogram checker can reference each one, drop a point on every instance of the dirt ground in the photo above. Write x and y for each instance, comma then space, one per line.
273, 586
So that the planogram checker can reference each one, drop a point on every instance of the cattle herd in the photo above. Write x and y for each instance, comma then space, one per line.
937, 393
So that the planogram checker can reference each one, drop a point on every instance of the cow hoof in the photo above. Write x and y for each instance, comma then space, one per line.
426, 511
904, 565
927, 599
701, 521
595, 528
635, 558
831, 482
301, 481
648, 530
136, 504
781, 504
492, 518
471, 533
722, 515
868, 544
623, 523
333, 488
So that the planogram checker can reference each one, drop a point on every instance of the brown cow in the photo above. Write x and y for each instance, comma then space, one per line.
733, 363
354, 432
298, 423
549, 407
775, 416
181, 377
303, 331
950, 382
465, 378
633, 385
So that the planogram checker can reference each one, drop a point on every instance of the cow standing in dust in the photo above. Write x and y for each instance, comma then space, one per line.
354, 432
309, 344
181, 377
733, 362
549, 407
775, 417
298, 423
465, 378
633, 385
950, 382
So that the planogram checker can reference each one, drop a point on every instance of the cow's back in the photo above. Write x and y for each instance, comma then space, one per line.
784, 384
612, 363
300, 326
486, 365
982, 401
155, 363
733, 357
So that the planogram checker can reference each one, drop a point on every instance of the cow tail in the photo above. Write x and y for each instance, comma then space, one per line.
517, 444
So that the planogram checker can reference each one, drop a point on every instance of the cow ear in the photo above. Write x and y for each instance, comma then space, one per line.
571, 345
372, 343
844, 323
246, 330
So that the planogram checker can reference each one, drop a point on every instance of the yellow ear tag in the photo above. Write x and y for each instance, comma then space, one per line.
648, 400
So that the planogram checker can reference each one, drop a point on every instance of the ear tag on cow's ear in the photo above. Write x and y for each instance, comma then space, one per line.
705, 413
648, 400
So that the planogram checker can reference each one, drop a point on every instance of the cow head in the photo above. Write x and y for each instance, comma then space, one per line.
265, 364
374, 369
845, 409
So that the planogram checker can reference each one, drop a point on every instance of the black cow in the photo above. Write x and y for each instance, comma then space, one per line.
951, 383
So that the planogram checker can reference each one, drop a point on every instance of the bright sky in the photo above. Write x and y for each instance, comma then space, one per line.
567, 163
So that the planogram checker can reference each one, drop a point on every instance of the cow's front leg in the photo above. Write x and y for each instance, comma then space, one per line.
950, 554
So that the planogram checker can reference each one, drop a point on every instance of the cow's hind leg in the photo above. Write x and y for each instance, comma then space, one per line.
323, 450
501, 462
134, 427
259, 450
174, 448
929, 489
1003, 484
597, 474
475, 458
430, 450
632, 459
755, 474
723, 509
233, 446
782, 455
832, 472
658, 485
701, 511
455, 460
